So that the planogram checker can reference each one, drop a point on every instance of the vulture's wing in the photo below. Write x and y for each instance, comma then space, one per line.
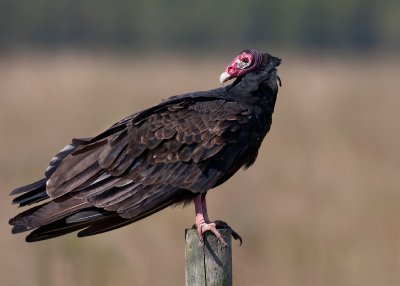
140, 165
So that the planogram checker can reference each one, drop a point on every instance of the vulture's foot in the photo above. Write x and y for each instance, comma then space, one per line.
203, 224
202, 227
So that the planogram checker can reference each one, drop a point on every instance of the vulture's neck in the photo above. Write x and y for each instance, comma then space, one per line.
256, 90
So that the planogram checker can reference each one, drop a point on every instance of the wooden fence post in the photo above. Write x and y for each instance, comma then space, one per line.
209, 263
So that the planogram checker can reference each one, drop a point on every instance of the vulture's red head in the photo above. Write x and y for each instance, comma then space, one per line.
244, 62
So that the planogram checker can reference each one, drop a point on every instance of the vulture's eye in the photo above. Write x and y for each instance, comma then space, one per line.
242, 63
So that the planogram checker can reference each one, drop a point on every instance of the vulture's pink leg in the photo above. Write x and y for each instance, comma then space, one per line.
204, 205
202, 222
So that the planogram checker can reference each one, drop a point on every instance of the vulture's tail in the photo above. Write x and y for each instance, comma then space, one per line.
68, 213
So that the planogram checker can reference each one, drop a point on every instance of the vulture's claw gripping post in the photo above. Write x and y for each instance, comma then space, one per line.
203, 224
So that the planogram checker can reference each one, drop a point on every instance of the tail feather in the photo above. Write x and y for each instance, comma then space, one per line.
146, 210
89, 214
69, 224
116, 222
28, 188
31, 197
92, 220
18, 222
31, 193
55, 229
47, 213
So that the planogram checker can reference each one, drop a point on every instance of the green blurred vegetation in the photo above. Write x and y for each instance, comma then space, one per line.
331, 25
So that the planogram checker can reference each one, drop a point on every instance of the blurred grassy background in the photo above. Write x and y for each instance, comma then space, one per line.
320, 205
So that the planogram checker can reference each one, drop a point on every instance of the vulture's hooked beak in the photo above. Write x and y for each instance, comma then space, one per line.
224, 77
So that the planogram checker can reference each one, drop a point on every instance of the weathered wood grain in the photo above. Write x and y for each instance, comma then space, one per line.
209, 263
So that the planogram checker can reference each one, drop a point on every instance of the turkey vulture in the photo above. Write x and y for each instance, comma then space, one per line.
173, 152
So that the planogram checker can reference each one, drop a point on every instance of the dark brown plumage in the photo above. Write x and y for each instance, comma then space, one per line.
166, 154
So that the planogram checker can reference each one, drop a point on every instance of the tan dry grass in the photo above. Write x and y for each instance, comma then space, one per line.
320, 206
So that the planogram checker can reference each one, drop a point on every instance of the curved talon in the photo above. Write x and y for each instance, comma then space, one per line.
223, 225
